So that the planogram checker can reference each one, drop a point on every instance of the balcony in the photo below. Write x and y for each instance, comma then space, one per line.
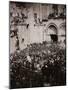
57, 16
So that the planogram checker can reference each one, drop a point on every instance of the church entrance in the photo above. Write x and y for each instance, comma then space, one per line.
52, 33
54, 37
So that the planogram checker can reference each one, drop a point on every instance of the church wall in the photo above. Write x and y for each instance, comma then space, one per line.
35, 31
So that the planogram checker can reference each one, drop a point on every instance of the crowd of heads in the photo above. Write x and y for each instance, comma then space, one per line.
46, 67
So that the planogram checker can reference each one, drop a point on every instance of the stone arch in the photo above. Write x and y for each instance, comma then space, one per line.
51, 32
54, 25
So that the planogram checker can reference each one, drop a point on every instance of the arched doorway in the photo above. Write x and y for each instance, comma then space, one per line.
52, 33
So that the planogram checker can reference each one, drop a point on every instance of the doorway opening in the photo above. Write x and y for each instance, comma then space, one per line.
54, 38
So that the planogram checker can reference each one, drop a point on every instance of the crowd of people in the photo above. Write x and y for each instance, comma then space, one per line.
38, 65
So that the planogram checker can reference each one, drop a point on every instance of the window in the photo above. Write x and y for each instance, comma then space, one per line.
35, 17
55, 9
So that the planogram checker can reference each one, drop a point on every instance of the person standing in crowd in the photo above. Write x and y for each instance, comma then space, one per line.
17, 43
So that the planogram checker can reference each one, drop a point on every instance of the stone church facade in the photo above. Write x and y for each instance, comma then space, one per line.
36, 23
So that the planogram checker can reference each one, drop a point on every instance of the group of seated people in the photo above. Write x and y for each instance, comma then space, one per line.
42, 65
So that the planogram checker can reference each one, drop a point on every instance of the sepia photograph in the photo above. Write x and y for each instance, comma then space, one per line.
37, 44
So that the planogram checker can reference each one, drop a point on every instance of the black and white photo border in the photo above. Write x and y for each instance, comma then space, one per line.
37, 44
